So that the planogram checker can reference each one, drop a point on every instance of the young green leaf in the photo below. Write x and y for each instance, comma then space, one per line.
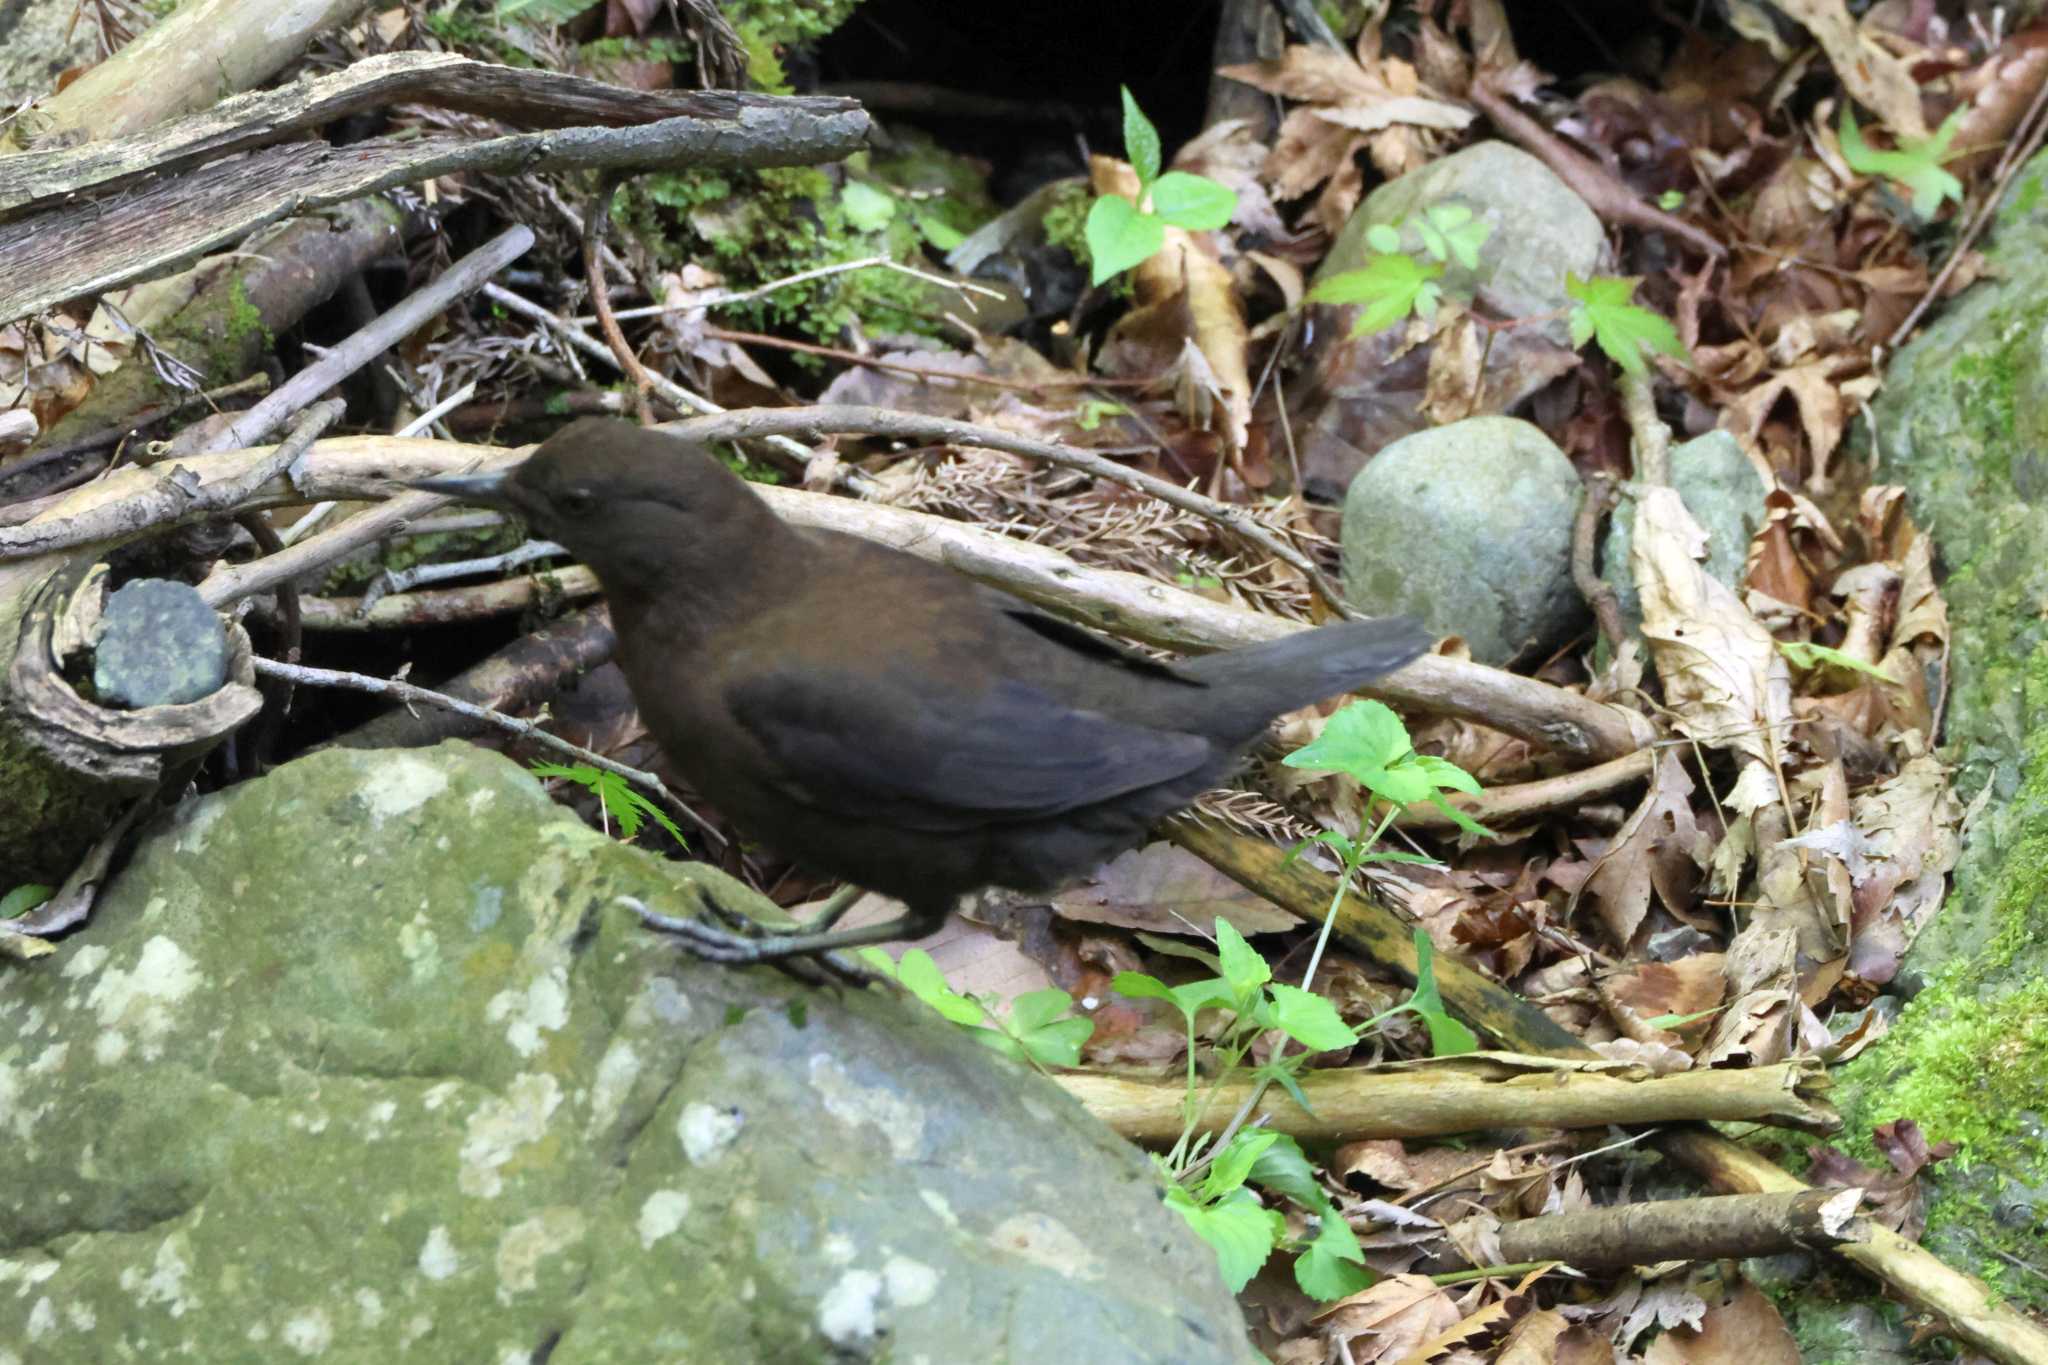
1333, 1265
24, 898
1463, 234
1390, 287
1367, 743
941, 235
1625, 332
1285, 1170
1119, 237
1234, 1163
1916, 165
1243, 968
1384, 238
1092, 410
1242, 1232
922, 978
1194, 202
1309, 1019
1058, 1043
1141, 140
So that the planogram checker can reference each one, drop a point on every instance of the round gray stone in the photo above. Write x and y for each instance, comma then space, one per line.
1468, 526
159, 645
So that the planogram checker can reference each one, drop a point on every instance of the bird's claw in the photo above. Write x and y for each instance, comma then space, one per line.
741, 948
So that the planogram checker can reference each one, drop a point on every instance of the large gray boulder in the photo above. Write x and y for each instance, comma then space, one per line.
1960, 423
362, 1061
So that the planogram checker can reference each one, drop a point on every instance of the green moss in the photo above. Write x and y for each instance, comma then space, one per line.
758, 227
1066, 220
244, 319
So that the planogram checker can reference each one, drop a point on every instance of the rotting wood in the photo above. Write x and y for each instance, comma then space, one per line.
77, 248
34, 180
1709, 1228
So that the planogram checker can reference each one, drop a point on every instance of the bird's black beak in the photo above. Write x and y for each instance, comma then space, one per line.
491, 489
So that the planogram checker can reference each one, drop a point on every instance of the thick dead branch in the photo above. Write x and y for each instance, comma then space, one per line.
514, 680
80, 248
1460, 1094
432, 607
533, 99
1717, 1227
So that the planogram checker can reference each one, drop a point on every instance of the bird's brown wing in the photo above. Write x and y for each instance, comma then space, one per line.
899, 750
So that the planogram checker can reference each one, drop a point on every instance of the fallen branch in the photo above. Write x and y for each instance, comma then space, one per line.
1460, 1094
410, 695
1122, 603
1503, 807
435, 607
515, 679
1716, 1227
75, 248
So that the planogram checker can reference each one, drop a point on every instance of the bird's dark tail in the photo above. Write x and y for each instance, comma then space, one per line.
1308, 666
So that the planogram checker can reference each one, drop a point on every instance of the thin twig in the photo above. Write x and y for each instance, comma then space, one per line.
407, 694
595, 220
917, 427
1652, 438
674, 393
1063, 381
655, 310
1598, 592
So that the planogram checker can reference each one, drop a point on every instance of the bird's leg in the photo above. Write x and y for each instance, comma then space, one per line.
920, 920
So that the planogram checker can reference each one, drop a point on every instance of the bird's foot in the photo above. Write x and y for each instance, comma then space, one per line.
748, 943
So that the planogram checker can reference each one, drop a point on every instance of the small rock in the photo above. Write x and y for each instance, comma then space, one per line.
159, 645
1470, 527
1361, 393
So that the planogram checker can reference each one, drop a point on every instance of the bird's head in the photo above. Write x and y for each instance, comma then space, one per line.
639, 507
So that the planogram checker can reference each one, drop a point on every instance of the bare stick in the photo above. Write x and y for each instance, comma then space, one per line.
720, 300
409, 695
1598, 592
449, 606
369, 342
676, 395
596, 219
1457, 1095
1510, 805
1714, 1227
914, 426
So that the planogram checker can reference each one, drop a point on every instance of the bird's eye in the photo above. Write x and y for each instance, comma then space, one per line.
576, 502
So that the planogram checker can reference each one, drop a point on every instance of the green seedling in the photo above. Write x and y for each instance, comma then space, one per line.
1121, 234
